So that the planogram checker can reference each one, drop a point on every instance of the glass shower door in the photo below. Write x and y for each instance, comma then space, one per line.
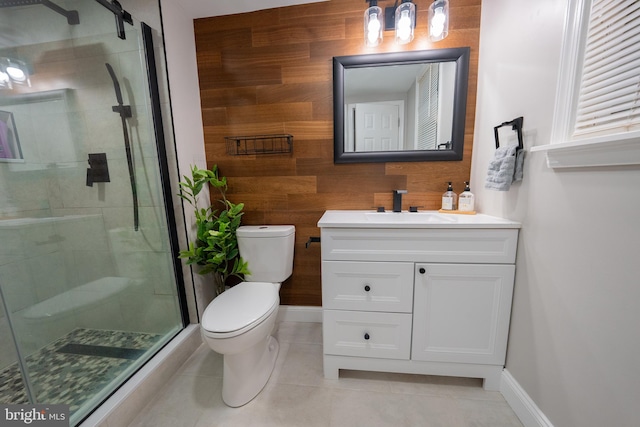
87, 270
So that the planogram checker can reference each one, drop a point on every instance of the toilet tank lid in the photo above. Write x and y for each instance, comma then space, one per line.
265, 230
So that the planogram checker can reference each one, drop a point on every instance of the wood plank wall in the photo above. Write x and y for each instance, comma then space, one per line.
270, 72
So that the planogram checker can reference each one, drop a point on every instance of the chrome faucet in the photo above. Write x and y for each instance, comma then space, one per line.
397, 200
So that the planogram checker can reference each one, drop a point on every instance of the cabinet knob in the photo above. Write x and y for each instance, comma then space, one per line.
422, 270
367, 288
366, 336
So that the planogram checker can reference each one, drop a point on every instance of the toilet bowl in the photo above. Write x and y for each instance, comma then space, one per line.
238, 323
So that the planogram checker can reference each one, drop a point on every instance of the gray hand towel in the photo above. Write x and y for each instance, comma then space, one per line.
502, 168
519, 170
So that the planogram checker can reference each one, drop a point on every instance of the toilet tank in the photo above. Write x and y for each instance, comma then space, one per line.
269, 251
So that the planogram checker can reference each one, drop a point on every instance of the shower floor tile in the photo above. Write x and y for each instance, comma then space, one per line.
76, 367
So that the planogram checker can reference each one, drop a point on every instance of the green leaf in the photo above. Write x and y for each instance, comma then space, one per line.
216, 245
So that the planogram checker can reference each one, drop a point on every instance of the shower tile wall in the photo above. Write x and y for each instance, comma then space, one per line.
39, 260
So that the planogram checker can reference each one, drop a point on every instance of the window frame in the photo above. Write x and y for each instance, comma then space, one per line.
603, 150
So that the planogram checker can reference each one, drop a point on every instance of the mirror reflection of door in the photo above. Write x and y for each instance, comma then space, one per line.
376, 126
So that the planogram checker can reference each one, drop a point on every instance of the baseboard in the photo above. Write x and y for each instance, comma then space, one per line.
524, 407
298, 313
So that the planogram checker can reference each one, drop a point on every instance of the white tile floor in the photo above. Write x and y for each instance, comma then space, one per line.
297, 395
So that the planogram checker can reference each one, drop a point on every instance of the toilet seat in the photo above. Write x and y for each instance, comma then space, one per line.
240, 309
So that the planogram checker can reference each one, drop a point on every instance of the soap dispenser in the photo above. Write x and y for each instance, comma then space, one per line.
449, 199
467, 199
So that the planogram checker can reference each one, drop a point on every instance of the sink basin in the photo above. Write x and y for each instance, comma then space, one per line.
409, 217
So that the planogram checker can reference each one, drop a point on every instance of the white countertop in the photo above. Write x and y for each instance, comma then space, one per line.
423, 219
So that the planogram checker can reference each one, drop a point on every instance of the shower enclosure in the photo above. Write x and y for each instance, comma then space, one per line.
89, 284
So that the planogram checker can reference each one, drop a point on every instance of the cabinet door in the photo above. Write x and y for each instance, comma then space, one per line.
367, 286
462, 312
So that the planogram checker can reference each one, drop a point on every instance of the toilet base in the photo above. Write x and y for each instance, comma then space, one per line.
246, 373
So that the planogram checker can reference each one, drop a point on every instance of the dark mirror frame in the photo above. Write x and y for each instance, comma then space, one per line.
341, 63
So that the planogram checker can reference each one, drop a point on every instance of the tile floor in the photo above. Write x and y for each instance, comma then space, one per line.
297, 395
64, 373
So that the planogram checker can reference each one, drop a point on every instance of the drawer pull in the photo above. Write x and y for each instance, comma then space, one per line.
367, 288
366, 336
422, 270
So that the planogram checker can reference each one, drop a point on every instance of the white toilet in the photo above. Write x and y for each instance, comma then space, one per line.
239, 322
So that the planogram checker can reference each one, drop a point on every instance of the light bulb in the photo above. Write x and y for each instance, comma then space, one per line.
372, 26
439, 17
405, 21
372, 37
404, 26
439, 20
437, 23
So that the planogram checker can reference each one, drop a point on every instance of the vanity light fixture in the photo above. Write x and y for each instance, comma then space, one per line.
373, 24
402, 19
405, 21
439, 20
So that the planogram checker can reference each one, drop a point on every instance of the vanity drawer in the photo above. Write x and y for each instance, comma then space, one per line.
459, 245
367, 286
367, 334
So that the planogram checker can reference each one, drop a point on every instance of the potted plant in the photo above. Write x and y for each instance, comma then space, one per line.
215, 249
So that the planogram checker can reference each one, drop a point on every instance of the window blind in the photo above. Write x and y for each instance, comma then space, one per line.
428, 108
609, 96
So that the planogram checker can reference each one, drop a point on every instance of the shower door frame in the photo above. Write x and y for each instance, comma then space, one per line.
123, 16
165, 176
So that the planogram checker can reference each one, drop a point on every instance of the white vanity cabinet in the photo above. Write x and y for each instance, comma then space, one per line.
424, 294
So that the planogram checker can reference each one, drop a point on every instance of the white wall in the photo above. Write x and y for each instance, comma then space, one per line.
574, 336
187, 118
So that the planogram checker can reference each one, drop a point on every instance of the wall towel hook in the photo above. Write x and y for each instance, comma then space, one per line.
516, 125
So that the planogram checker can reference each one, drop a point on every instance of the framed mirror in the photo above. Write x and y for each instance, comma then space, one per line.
400, 106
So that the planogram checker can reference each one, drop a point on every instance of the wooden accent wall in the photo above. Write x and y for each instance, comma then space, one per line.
270, 72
